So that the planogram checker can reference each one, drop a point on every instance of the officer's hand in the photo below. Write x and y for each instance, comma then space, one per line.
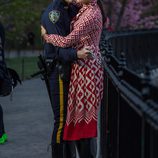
85, 52
43, 31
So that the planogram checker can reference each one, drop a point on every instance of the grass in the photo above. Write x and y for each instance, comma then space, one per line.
25, 66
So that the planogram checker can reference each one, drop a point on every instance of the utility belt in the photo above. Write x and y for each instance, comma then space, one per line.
50, 65
63, 69
47, 65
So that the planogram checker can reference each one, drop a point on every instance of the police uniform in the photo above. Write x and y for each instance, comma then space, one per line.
56, 20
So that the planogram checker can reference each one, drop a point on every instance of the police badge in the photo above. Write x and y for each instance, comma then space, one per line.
54, 16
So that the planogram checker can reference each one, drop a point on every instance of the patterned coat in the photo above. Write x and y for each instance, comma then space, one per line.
86, 84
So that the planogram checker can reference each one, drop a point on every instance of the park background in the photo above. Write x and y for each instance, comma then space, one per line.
21, 20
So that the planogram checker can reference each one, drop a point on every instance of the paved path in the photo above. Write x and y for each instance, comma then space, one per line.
27, 121
22, 53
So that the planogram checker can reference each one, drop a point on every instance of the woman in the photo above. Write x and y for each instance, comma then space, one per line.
86, 84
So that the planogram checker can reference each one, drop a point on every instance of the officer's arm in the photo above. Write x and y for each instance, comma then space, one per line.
67, 55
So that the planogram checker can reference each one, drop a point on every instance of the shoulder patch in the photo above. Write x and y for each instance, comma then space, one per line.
54, 16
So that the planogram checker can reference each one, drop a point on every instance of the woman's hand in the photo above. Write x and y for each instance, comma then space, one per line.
43, 31
84, 52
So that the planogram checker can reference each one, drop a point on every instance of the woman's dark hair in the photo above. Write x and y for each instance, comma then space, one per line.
64, 2
100, 4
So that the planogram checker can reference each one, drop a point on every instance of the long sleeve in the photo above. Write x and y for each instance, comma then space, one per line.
86, 25
67, 55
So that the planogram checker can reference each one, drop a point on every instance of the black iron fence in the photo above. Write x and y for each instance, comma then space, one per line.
129, 113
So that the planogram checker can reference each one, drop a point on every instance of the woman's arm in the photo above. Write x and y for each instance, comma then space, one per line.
87, 26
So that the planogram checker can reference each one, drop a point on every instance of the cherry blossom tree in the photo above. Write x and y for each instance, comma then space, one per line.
133, 14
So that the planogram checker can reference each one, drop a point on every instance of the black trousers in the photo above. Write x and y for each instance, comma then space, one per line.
64, 150
84, 148
1, 122
59, 95
68, 149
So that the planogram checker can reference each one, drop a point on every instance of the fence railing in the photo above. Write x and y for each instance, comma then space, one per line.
129, 112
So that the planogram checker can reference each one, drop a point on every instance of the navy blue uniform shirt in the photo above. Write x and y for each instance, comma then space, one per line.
56, 19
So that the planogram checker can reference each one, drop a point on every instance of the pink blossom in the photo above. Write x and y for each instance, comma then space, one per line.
133, 16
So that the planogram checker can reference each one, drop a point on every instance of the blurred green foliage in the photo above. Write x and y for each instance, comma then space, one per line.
25, 66
20, 17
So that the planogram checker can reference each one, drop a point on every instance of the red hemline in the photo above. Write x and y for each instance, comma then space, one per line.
80, 130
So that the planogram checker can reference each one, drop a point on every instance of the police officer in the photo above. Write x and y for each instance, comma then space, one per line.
56, 19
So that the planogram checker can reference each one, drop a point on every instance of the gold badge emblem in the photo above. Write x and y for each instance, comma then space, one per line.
54, 16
